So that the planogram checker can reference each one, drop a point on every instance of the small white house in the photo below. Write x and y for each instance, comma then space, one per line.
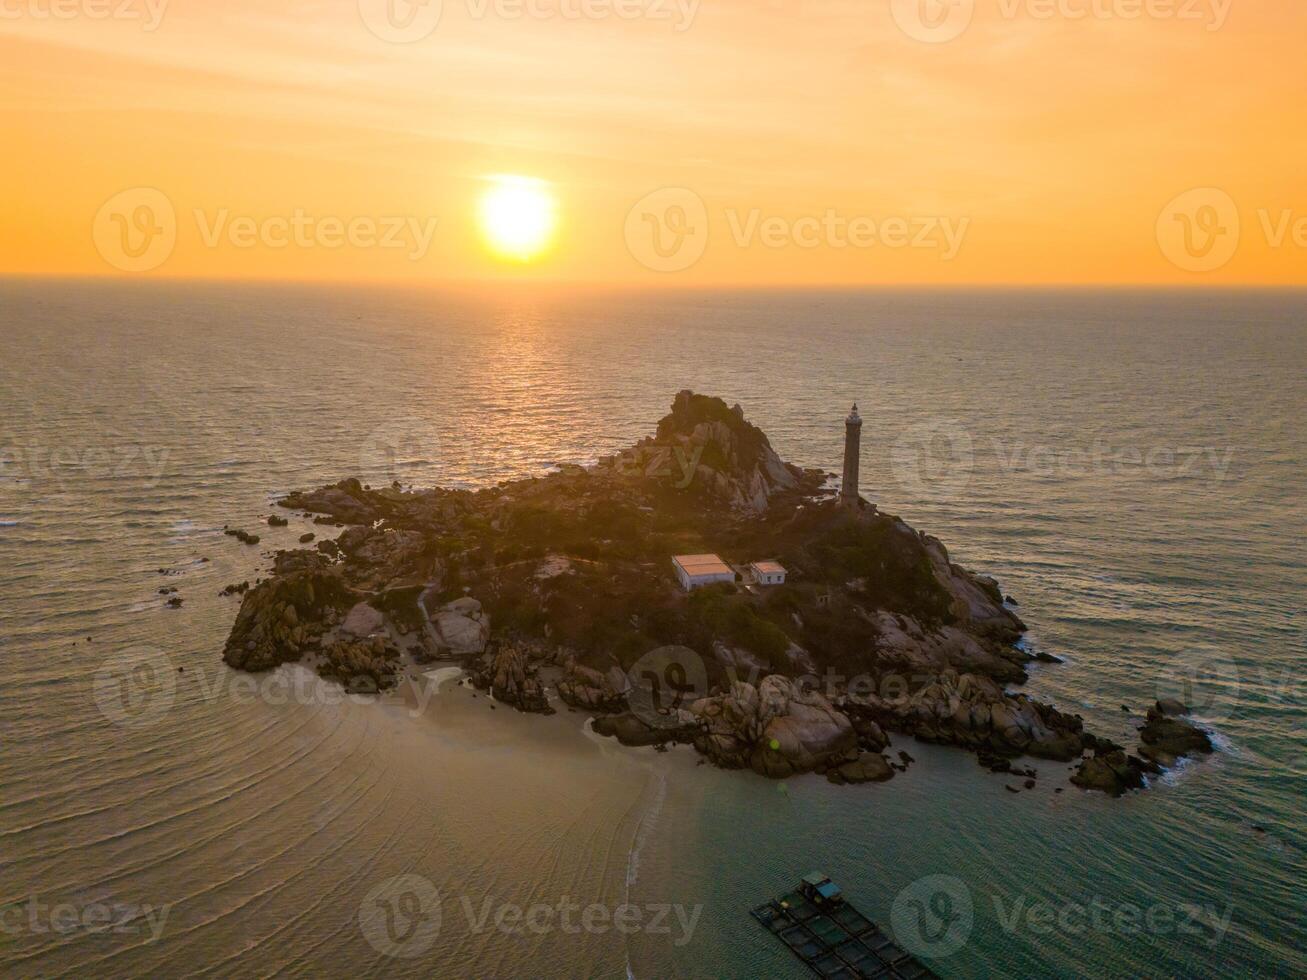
768, 572
695, 571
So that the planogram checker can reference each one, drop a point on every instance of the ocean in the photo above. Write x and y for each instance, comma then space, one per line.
1129, 465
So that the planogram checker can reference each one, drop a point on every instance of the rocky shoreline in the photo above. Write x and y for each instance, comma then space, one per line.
560, 590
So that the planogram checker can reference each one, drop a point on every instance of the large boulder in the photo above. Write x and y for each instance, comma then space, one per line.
363, 620
870, 767
1112, 773
630, 729
345, 501
594, 690
380, 558
460, 628
1166, 739
803, 730
286, 562
777, 729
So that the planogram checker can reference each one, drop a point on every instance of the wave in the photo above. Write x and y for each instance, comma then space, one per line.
648, 820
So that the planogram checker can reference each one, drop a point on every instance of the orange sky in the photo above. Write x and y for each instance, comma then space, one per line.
796, 142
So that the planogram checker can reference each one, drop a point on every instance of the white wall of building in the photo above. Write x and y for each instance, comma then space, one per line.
689, 582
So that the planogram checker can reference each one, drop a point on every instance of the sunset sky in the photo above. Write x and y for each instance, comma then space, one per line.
1028, 149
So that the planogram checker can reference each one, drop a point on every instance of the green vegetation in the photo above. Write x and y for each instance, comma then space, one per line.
619, 598
722, 612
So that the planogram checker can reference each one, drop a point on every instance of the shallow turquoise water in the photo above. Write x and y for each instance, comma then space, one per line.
1129, 466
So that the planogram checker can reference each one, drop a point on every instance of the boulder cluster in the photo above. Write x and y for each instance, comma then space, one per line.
282, 617
777, 728
512, 678
1165, 739
974, 712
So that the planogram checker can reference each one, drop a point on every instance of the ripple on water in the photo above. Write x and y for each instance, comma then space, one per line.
263, 823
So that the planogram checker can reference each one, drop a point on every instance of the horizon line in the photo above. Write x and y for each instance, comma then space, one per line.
644, 286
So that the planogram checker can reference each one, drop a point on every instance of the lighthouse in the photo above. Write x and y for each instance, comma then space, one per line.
852, 450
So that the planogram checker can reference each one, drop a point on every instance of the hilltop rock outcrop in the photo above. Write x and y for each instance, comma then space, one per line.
732, 458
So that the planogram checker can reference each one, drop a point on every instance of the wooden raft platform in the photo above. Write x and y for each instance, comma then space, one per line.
837, 941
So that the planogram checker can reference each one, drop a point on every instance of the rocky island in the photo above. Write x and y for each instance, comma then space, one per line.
561, 589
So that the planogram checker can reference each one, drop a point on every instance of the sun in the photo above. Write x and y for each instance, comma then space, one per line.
518, 216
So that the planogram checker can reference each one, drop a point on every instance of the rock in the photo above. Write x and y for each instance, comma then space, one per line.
777, 729
346, 502
630, 729
736, 462
364, 666
977, 601
460, 627
306, 537
973, 712
275, 521
869, 767
1011, 789
1145, 765
870, 735
1112, 774
175, 602
1169, 708
578, 563
236, 589
244, 537
511, 678
262, 638
287, 562
1166, 739
1029, 784
363, 620
904, 642
604, 692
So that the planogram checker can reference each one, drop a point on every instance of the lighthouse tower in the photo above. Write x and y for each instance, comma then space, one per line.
852, 451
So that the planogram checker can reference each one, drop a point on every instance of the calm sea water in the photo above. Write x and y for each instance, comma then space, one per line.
1131, 467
